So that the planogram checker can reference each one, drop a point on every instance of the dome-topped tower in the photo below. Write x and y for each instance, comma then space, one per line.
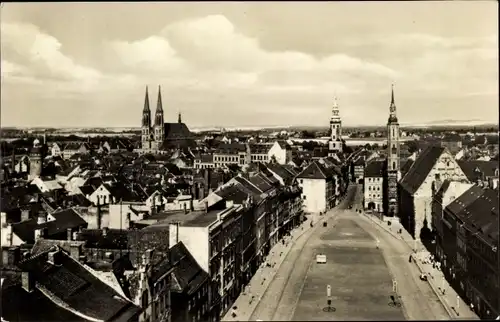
36, 160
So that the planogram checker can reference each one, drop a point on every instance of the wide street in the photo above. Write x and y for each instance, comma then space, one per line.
360, 274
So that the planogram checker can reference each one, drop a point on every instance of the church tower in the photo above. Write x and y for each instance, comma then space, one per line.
335, 142
159, 124
36, 160
393, 162
146, 124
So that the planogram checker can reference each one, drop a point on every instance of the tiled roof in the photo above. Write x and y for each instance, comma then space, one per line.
465, 199
187, 275
96, 238
480, 213
68, 281
421, 168
375, 169
233, 193
44, 245
315, 171
260, 182
64, 219
281, 172
406, 166
475, 170
230, 148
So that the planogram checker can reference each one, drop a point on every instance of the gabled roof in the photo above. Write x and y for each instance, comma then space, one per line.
65, 219
465, 199
421, 168
475, 170
375, 169
281, 172
187, 275
478, 210
406, 166
76, 286
315, 171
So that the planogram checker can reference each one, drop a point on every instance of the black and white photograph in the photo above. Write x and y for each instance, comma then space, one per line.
230, 161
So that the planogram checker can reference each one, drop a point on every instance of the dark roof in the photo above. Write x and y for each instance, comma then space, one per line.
65, 219
187, 275
421, 168
110, 239
406, 166
87, 190
15, 301
259, 180
202, 219
375, 168
233, 193
230, 148
316, 171
77, 287
465, 199
281, 172
475, 170
479, 213
44, 245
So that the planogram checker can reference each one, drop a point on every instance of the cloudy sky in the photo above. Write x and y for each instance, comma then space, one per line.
248, 64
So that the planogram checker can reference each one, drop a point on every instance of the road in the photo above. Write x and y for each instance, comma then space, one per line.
360, 274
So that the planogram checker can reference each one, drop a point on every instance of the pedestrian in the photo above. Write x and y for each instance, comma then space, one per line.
472, 307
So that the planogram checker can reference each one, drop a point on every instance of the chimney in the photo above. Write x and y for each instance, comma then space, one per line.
75, 251
69, 234
40, 233
99, 216
75, 236
25, 214
191, 204
42, 218
105, 231
146, 257
11, 255
229, 203
185, 208
206, 206
53, 257
28, 281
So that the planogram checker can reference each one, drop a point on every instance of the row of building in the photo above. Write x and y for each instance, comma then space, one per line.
149, 262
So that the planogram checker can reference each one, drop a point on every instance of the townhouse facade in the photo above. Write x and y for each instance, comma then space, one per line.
469, 249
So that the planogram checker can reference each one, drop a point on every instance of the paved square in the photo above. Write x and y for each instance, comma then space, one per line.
360, 281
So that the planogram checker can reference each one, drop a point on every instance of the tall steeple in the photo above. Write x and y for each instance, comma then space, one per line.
335, 142
159, 110
159, 126
393, 161
146, 112
146, 123
392, 108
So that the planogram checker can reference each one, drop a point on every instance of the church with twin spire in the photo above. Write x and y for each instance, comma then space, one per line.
159, 136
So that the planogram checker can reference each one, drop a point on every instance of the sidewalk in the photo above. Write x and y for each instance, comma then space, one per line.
250, 297
435, 276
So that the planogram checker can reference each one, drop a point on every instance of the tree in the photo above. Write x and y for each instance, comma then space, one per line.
307, 135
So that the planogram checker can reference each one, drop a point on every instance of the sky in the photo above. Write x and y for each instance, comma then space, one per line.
248, 63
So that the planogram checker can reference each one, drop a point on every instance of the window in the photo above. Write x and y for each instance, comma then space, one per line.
394, 165
301, 181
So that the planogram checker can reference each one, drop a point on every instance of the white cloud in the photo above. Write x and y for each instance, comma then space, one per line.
42, 55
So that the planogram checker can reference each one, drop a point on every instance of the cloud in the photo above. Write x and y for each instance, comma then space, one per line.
208, 61
41, 55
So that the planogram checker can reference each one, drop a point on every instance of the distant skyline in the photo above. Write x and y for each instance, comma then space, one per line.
247, 63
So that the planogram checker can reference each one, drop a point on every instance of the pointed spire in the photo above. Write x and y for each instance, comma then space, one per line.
146, 101
335, 108
179, 120
392, 108
159, 106
392, 94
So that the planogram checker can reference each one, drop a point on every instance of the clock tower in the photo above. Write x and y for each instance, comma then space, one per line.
393, 162
335, 142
